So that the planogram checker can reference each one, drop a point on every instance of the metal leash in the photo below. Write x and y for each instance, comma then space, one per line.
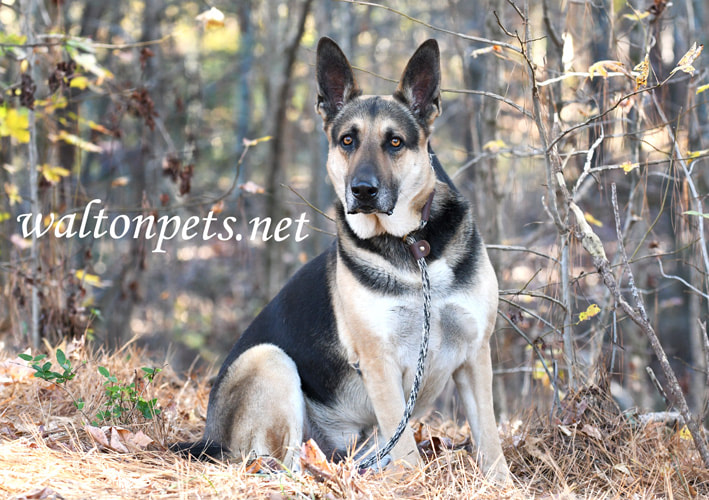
420, 249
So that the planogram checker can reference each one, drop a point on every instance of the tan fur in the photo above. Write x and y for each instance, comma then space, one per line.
247, 423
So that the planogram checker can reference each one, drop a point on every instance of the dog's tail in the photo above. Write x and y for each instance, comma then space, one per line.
202, 450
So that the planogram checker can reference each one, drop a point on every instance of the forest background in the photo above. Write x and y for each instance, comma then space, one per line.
578, 129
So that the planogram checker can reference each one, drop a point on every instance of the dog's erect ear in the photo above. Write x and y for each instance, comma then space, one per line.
336, 82
420, 84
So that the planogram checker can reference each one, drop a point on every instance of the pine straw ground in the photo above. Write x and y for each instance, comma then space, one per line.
46, 450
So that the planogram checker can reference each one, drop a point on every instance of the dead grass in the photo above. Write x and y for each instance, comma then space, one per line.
592, 452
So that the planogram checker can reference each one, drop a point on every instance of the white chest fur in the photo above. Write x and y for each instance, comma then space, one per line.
390, 327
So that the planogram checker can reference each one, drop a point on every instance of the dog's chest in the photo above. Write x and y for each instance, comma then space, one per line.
390, 328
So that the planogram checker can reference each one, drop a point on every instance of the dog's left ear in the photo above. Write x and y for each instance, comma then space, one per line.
420, 84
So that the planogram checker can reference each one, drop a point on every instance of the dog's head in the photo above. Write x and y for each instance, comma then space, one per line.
378, 157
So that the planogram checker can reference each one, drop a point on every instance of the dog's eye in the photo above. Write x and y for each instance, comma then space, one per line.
347, 140
395, 142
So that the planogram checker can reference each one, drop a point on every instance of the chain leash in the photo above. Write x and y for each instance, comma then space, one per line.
420, 249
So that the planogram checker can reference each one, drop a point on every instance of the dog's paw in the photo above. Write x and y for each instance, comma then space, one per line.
500, 473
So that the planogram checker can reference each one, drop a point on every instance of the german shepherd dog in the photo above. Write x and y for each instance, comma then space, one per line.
333, 356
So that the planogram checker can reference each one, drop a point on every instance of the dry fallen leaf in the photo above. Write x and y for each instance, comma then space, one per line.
97, 434
116, 441
592, 431
314, 461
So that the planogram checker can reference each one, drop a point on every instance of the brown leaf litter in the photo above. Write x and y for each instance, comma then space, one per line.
49, 449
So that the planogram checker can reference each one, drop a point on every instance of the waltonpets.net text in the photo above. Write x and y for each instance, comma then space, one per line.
165, 227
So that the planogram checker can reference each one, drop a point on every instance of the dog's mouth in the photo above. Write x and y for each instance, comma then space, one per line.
369, 210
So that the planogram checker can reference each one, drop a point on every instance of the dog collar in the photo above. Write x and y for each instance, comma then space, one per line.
421, 248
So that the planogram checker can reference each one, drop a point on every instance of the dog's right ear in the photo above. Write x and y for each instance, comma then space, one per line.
336, 82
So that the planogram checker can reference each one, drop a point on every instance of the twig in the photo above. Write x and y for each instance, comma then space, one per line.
513, 248
536, 295
483, 93
681, 280
657, 384
435, 28
308, 203
555, 38
671, 418
587, 163
532, 314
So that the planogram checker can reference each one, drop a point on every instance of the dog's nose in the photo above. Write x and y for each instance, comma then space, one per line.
365, 188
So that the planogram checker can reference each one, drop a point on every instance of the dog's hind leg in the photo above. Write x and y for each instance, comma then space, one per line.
258, 408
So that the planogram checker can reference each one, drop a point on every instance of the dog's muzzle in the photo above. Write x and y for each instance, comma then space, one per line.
366, 194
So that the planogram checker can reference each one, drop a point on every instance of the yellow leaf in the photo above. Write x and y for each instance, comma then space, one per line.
53, 103
642, 70
79, 82
12, 194
98, 127
629, 166
89, 279
15, 124
24, 66
702, 88
75, 141
602, 67
539, 373
685, 64
494, 146
211, 19
54, 223
4, 216
685, 434
693, 155
53, 174
589, 313
592, 220
637, 17
253, 142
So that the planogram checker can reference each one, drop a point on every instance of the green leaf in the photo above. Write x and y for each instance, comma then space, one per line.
26, 357
61, 357
104, 371
694, 212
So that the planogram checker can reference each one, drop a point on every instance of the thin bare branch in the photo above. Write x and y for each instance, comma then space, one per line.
435, 28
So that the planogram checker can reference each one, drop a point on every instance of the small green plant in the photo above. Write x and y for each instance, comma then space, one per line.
122, 399
44, 370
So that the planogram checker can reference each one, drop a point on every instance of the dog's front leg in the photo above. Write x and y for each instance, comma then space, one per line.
383, 381
474, 383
